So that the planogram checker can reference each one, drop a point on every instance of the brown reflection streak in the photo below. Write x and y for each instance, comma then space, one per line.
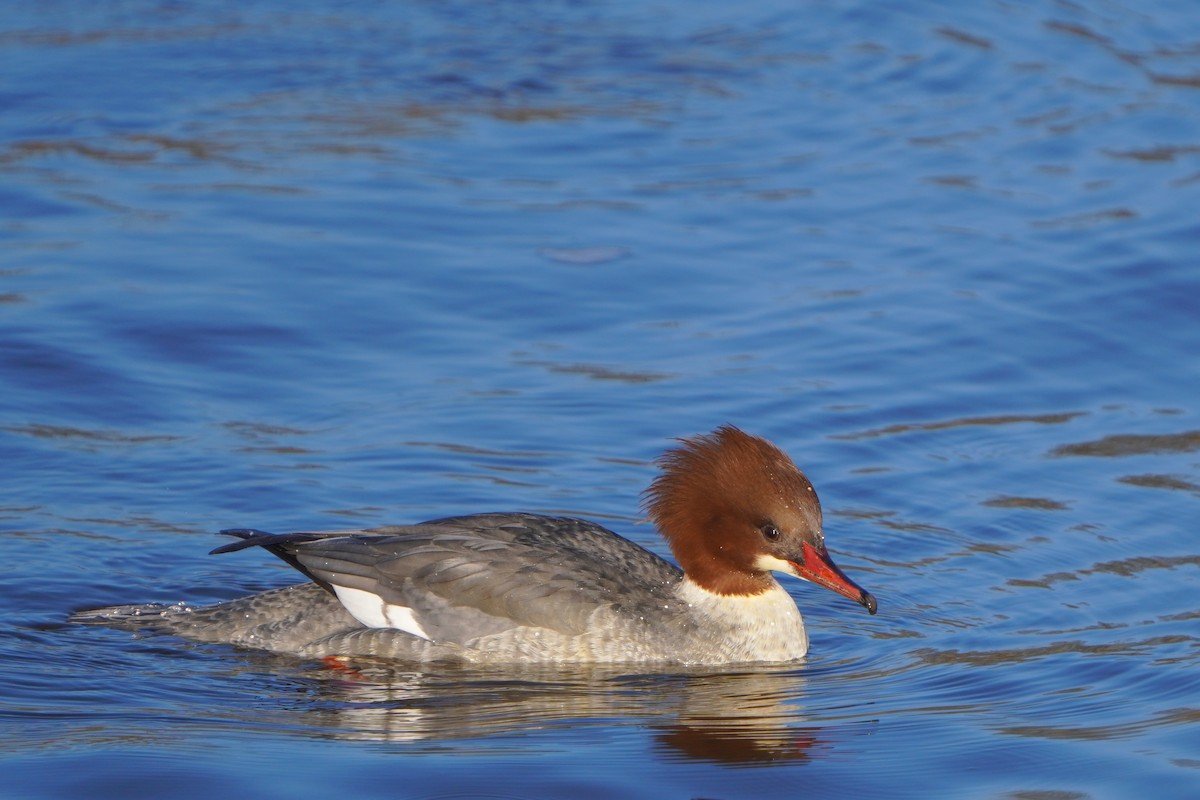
495, 480
913, 527
1085, 220
962, 37
64, 432
533, 114
1132, 445
1007, 419
949, 139
197, 149
1040, 503
1170, 717
1162, 153
141, 148
598, 372
954, 181
1131, 566
257, 429
135, 521
1075, 29
987, 658
1044, 582
897, 633
366, 512
36, 148
471, 450
1125, 567
1190, 81
54, 38
859, 513
1161, 482
928, 561
281, 450
1136, 60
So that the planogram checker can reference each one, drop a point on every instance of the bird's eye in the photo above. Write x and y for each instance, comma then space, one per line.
769, 531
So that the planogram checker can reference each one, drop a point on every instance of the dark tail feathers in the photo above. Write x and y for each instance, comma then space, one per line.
275, 543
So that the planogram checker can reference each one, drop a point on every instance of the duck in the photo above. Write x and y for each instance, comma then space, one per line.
522, 588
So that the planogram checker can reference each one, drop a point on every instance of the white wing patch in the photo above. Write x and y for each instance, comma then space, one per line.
372, 611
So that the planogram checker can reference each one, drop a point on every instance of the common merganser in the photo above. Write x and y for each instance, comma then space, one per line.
526, 588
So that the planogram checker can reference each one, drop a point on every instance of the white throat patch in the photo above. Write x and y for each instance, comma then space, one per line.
760, 627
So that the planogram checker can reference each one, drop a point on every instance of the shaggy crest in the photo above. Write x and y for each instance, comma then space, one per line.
715, 492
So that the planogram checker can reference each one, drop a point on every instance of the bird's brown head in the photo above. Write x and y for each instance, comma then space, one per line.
733, 507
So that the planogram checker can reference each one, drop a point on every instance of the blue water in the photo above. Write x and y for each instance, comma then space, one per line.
305, 265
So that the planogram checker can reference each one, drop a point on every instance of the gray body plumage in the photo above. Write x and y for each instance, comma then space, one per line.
486, 588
